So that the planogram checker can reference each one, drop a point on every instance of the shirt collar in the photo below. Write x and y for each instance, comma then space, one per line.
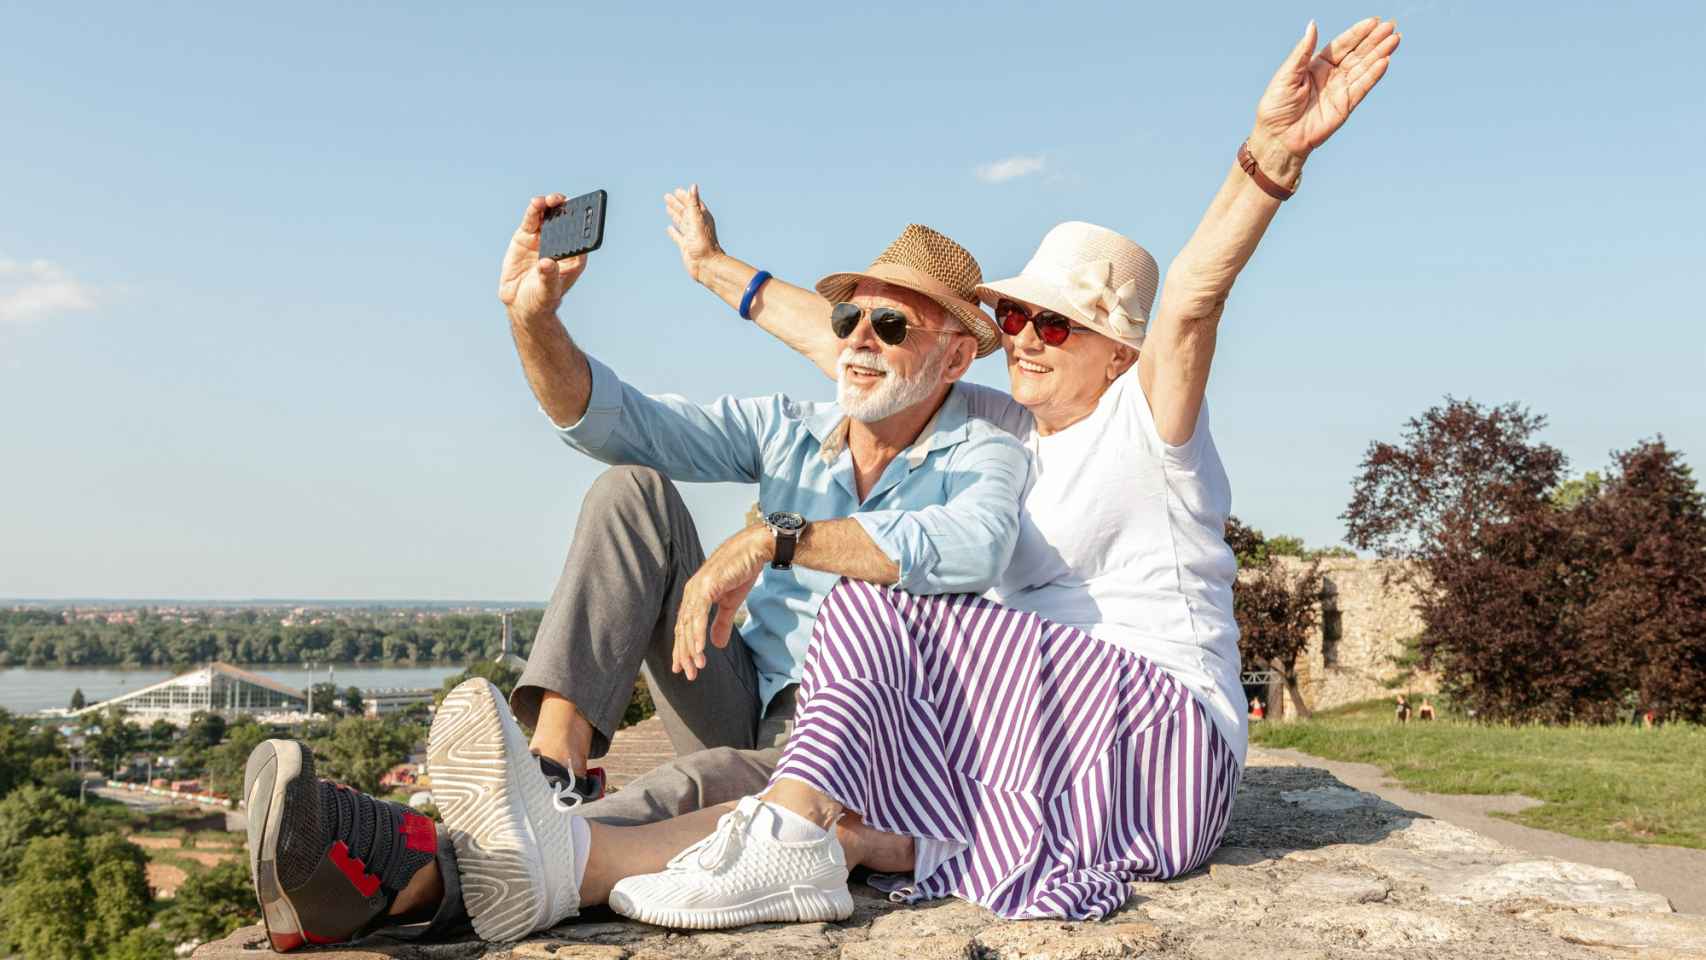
948, 427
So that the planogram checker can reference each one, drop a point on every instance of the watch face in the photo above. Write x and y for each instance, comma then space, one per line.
786, 521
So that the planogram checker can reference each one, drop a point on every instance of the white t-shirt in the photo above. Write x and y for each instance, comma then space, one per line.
1123, 536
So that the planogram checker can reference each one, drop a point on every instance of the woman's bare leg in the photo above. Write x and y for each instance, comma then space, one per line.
619, 852
863, 845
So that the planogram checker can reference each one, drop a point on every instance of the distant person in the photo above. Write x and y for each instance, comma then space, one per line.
1403, 711
1426, 712
1256, 711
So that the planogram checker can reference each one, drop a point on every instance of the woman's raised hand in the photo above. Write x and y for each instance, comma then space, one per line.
692, 229
1314, 92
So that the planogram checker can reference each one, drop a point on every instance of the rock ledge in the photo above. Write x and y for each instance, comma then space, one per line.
1310, 869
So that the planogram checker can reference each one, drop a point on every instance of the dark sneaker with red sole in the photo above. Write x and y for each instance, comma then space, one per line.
327, 862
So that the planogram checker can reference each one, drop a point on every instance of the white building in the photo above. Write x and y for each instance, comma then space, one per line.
217, 688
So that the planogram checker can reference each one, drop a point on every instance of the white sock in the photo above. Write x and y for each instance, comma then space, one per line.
790, 827
583, 847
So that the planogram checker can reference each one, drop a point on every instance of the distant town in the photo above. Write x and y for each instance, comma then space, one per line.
36, 633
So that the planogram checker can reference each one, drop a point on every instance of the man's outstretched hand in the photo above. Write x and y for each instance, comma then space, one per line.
722, 581
693, 230
531, 286
1314, 92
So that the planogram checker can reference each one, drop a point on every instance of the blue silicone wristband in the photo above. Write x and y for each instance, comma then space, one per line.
752, 291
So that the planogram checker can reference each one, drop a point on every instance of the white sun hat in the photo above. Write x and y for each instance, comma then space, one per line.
1089, 274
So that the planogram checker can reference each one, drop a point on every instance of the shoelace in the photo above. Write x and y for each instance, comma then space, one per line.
715, 850
564, 797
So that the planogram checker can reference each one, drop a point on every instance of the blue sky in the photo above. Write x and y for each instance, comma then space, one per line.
249, 339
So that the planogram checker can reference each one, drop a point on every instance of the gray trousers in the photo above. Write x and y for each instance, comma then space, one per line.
611, 616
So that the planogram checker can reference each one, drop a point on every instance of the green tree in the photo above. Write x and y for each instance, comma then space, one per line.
118, 886
114, 740
32, 812
42, 914
360, 750
29, 752
353, 701
161, 735
324, 696
210, 904
206, 729
226, 762
502, 676
77, 701
141, 943
1571, 493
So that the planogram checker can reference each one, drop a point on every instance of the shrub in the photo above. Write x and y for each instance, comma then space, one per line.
210, 904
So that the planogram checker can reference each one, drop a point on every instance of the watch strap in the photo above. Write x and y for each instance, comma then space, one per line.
785, 544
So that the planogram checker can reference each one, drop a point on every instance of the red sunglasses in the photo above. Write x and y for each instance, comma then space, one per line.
1052, 328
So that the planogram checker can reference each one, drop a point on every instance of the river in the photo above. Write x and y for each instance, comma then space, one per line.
28, 689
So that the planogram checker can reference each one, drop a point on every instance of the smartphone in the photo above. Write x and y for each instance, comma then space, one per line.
574, 227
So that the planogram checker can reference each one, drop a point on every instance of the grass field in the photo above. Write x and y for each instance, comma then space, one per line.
1601, 783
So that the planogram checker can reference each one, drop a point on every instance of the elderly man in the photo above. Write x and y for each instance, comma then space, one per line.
891, 484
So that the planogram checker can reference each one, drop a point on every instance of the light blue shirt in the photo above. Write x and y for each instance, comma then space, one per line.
946, 510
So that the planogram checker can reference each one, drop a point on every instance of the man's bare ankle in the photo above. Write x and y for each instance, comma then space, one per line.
562, 733
422, 895
561, 754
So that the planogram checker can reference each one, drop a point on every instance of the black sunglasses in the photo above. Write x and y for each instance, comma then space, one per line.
1052, 328
890, 325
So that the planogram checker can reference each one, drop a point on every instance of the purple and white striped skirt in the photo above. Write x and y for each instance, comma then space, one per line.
1047, 767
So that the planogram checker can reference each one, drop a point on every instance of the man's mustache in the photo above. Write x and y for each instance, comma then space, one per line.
869, 359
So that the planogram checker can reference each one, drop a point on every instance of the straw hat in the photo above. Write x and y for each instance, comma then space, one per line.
1090, 274
924, 261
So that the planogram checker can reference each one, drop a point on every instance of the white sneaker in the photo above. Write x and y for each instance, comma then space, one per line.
742, 874
514, 836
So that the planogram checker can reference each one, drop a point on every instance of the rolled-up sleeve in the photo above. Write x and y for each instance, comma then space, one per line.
963, 544
696, 443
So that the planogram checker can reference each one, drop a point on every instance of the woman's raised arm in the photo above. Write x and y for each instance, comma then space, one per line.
1309, 98
794, 315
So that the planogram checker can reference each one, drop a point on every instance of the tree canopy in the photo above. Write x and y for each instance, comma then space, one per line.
1542, 598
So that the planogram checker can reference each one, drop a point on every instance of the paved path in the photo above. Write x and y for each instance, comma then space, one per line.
1676, 872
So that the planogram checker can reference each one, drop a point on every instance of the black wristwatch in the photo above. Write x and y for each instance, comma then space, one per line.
786, 527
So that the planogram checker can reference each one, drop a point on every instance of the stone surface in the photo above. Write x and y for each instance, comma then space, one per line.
951, 946
1310, 870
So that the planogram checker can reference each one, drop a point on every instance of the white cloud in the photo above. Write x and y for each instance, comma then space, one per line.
39, 288
1010, 168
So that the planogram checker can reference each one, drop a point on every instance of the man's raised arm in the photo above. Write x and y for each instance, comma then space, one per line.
531, 288
794, 315
593, 410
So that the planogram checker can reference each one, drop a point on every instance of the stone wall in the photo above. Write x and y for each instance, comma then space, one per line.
1363, 627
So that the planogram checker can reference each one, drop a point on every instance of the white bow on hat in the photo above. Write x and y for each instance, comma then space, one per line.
1089, 286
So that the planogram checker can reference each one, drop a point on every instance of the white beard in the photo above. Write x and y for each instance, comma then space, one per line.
889, 395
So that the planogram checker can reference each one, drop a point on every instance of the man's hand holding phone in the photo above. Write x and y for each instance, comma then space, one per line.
532, 285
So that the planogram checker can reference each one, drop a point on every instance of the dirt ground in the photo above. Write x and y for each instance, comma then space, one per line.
211, 850
165, 879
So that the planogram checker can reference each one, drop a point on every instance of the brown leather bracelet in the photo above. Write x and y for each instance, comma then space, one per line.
1269, 187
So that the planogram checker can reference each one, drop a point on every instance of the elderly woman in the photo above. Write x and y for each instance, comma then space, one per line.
1083, 725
